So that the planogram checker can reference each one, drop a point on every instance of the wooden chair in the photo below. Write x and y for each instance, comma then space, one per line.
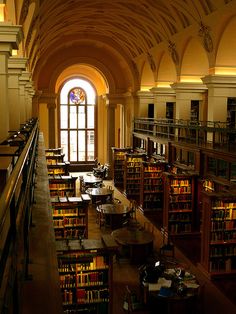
167, 248
82, 186
98, 205
132, 302
102, 219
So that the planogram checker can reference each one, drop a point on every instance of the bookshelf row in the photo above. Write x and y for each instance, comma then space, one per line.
187, 203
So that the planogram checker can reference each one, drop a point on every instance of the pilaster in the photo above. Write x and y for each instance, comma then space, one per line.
10, 37
15, 67
161, 96
185, 92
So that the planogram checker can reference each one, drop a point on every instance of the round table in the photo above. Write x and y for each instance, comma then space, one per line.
115, 212
102, 194
90, 181
139, 242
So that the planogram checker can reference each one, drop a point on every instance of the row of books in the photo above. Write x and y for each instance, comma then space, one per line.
180, 183
81, 279
181, 198
223, 235
180, 227
74, 233
69, 222
223, 250
61, 193
180, 206
222, 265
91, 296
67, 211
180, 217
223, 204
152, 181
223, 225
180, 189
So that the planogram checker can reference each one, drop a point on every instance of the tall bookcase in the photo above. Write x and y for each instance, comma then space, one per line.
179, 203
70, 217
61, 168
133, 175
218, 243
118, 166
53, 159
85, 274
151, 188
62, 185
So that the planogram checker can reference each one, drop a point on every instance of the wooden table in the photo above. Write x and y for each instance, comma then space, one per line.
103, 194
138, 241
116, 213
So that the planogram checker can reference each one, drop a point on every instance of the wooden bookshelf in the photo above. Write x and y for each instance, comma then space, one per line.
62, 185
218, 243
133, 175
151, 187
70, 217
85, 274
54, 159
61, 168
118, 166
179, 203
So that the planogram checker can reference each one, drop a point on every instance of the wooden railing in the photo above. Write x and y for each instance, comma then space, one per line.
15, 219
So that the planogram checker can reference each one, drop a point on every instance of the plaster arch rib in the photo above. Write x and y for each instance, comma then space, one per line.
119, 74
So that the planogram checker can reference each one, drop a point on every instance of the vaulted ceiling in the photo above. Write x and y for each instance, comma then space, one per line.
125, 28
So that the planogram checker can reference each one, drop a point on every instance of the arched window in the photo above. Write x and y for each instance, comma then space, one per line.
77, 121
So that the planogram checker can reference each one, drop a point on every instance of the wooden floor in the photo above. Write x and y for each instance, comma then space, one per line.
41, 293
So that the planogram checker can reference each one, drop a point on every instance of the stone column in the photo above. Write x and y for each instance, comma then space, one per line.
111, 102
15, 68
29, 95
50, 99
10, 37
23, 81
51, 127
110, 130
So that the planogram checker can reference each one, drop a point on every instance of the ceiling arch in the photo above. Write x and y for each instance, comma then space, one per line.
121, 30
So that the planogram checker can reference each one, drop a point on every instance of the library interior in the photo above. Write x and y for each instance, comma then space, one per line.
117, 157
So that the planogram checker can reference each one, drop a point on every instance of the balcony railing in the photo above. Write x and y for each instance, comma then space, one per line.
15, 218
207, 133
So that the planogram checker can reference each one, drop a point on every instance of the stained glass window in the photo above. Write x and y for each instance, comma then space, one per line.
77, 121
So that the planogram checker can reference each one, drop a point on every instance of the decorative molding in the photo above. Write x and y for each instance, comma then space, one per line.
151, 62
24, 11
204, 32
173, 52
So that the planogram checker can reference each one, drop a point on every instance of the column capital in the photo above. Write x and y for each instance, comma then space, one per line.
145, 95
162, 91
10, 36
220, 81
17, 63
25, 77
47, 97
114, 98
186, 87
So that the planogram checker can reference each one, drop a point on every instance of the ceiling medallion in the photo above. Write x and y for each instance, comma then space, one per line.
173, 52
204, 32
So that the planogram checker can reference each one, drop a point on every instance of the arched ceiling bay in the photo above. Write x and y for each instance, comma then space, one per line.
129, 27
